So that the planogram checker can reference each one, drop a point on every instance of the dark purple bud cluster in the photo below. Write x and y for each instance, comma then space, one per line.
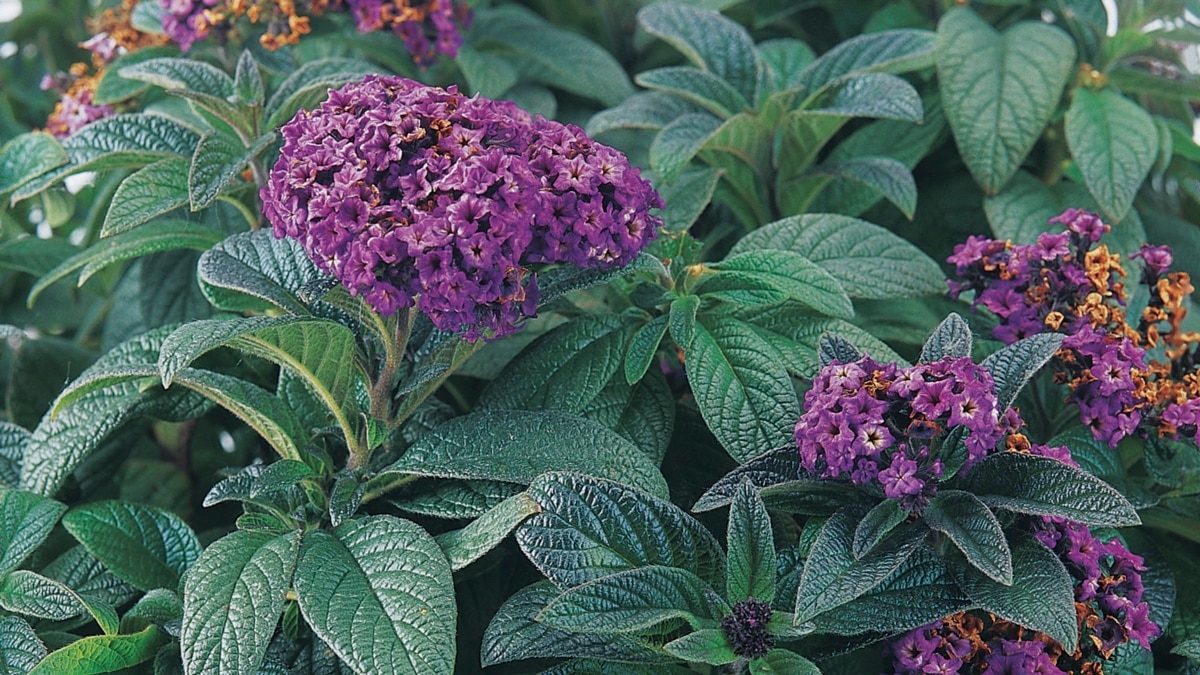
409, 193
746, 628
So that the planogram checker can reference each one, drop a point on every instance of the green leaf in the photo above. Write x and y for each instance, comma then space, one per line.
875, 95
792, 274
808, 341
833, 577
783, 661
786, 58
28, 156
635, 600
181, 73
974, 530
263, 411
644, 110
102, 654
147, 193
687, 197
565, 369
233, 600
320, 352
309, 84
589, 528
707, 39
643, 347
750, 571
392, 578
1114, 143
951, 339
703, 646
882, 174
1042, 486
515, 446
679, 141
892, 51
771, 468
744, 394
20, 647
25, 592
247, 81
26, 519
465, 546
254, 271
866, 259
113, 88
488, 73
144, 546
682, 320
215, 165
1041, 596
834, 348
459, 499
999, 91
879, 522
704, 89
1014, 365
514, 635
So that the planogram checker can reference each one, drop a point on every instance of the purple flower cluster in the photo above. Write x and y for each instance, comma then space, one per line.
428, 28
185, 21
969, 644
746, 628
1104, 371
877, 423
408, 193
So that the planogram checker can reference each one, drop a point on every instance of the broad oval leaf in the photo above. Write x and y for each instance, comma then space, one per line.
788, 272
1043, 486
679, 141
102, 654
1014, 365
892, 51
707, 39
233, 600
149, 192
974, 530
999, 90
704, 89
254, 271
28, 156
144, 546
29, 593
516, 446
710, 646
1114, 143
180, 73
391, 577
20, 647
589, 528
644, 110
866, 259
877, 524
26, 519
874, 95
635, 600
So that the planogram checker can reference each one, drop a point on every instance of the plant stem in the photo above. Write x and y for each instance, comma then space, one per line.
381, 389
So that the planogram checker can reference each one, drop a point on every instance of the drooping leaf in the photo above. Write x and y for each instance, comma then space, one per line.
999, 89
702, 88
789, 274
254, 271
465, 546
515, 446
392, 578
707, 39
883, 174
144, 546
272, 418
102, 654
589, 528
786, 58
687, 197
679, 141
874, 95
893, 51
1043, 486
951, 339
634, 600
644, 110
28, 156
1114, 143
1014, 365
457, 499
233, 599
26, 519
974, 530
149, 192
217, 162
750, 571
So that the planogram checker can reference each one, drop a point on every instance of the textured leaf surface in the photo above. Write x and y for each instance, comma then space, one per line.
874, 95
1000, 90
20, 647
233, 600
951, 339
392, 578
25, 592
866, 259
254, 271
148, 192
215, 165
644, 110
1041, 596
271, 417
516, 446
180, 73
679, 141
102, 654
885, 175
465, 546
457, 498
704, 646
702, 88
893, 51
974, 530
750, 571
1014, 365
514, 635
783, 661
744, 394
634, 600
832, 576
589, 528
643, 347
25, 521
308, 85
707, 39
144, 546
1114, 142
1043, 486
788, 272
28, 156
877, 525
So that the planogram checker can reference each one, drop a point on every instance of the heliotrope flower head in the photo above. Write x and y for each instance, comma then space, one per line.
746, 628
76, 107
409, 193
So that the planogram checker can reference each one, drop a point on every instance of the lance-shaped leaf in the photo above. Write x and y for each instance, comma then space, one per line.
644, 110
1015, 364
750, 568
974, 530
709, 645
144, 546
20, 647
743, 391
866, 259
28, 156
26, 592
265, 412
25, 521
832, 575
875, 95
391, 577
635, 600
951, 339
320, 352
704, 89
233, 600
589, 528
783, 661
679, 142
999, 90
465, 546
247, 81
254, 271
1114, 142
892, 51
308, 85
514, 635
149, 192
102, 653
772, 468
1043, 486
516, 446
791, 275
219, 160
707, 39
885, 175
1041, 595
642, 348
877, 525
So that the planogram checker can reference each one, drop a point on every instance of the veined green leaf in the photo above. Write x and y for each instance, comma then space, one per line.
180, 73
741, 387
149, 192
112, 87
102, 654
392, 577
635, 600
883, 174
783, 661
892, 51
875, 95
999, 90
458, 499
144, 546
1114, 143
1044, 486
951, 339
219, 160
247, 81
679, 142
13, 440
233, 600
644, 110
254, 271
702, 88
25, 521
589, 528
487, 72
687, 197
710, 646
1014, 365
265, 412
516, 446
20, 647
707, 39
643, 346
25, 592
786, 58
792, 274
750, 571
28, 156
974, 530
465, 546
308, 85
876, 525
